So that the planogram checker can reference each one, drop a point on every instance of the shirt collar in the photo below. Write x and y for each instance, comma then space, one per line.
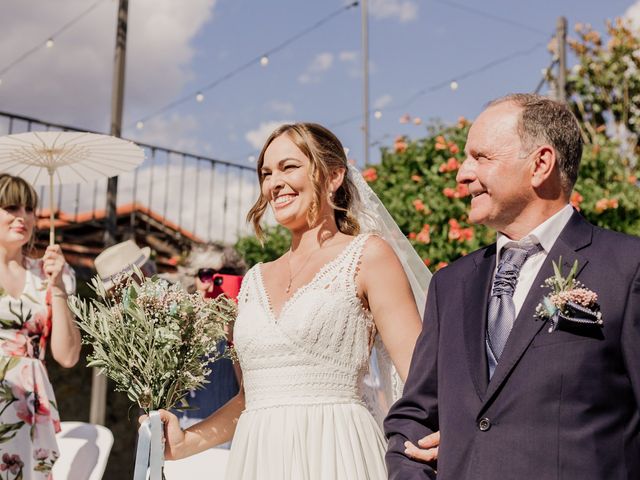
545, 234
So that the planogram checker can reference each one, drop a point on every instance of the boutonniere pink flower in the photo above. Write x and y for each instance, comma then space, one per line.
569, 301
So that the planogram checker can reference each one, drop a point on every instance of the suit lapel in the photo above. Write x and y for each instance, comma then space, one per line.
477, 287
575, 236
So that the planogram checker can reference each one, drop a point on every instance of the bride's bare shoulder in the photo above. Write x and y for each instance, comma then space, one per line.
376, 249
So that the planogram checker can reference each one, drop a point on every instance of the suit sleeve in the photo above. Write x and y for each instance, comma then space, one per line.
630, 337
416, 413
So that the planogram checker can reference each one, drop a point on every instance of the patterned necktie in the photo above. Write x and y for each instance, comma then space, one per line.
502, 311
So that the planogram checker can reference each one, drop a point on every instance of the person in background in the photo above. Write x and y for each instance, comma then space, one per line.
212, 270
33, 313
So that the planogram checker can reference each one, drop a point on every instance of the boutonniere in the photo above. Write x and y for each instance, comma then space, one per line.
569, 300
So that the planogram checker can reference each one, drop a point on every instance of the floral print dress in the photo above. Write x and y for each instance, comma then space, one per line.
28, 412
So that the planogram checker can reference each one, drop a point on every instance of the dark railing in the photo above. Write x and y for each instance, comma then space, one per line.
205, 197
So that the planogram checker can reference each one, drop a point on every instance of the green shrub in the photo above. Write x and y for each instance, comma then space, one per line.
276, 243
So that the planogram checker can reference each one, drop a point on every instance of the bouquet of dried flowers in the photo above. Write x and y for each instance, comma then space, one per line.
152, 338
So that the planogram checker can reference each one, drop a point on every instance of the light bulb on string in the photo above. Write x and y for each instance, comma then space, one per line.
377, 114
49, 43
140, 125
251, 158
199, 97
264, 60
453, 85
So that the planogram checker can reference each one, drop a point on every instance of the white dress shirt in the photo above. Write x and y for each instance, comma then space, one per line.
546, 235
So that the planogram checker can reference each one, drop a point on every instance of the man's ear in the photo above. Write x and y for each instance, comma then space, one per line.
544, 163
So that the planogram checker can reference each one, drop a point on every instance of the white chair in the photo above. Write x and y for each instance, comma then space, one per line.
84, 451
212, 462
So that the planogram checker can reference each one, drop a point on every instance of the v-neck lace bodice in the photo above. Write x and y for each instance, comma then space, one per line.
300, 290
316, 349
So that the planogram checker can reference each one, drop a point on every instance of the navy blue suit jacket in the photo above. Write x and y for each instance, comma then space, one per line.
561, 405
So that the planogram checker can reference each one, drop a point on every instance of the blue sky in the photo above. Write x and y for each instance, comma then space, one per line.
178, 47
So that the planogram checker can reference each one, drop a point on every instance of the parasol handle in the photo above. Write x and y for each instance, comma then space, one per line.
52, 209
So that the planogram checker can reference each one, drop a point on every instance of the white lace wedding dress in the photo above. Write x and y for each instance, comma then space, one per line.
303, 370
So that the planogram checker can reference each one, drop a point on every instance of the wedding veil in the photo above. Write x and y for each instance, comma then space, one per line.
383, 386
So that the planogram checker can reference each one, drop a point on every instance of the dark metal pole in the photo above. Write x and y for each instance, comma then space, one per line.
99, 382
117, 102
561, 86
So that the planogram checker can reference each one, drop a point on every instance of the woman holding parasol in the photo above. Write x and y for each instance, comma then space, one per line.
33, 312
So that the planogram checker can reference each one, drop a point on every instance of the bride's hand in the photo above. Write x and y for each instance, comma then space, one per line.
427, 449
173, 434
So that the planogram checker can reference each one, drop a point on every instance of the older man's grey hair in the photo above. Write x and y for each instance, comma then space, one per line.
544, 120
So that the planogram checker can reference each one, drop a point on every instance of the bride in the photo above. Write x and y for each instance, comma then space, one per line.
308, 322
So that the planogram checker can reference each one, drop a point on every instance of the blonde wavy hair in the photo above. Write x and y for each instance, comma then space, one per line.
326, 154
19, 192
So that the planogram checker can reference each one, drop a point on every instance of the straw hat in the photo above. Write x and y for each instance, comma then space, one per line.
118, 259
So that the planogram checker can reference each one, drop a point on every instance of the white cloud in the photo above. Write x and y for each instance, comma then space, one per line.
402, 10
174, 131
355, 69
70, 83
258, 136
633, 14
382, 101
160, 41
305, 78
321, 63
284, 108
348, 56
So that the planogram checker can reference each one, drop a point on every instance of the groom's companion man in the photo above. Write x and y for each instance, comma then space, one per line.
520, 391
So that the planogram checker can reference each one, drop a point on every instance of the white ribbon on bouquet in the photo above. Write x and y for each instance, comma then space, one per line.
150, 451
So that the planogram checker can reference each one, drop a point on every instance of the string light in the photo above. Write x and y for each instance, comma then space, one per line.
252, 159
377, 114
253, 61
199, 97
445, 83
140, 125
453, 85
264, 60
49, 42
